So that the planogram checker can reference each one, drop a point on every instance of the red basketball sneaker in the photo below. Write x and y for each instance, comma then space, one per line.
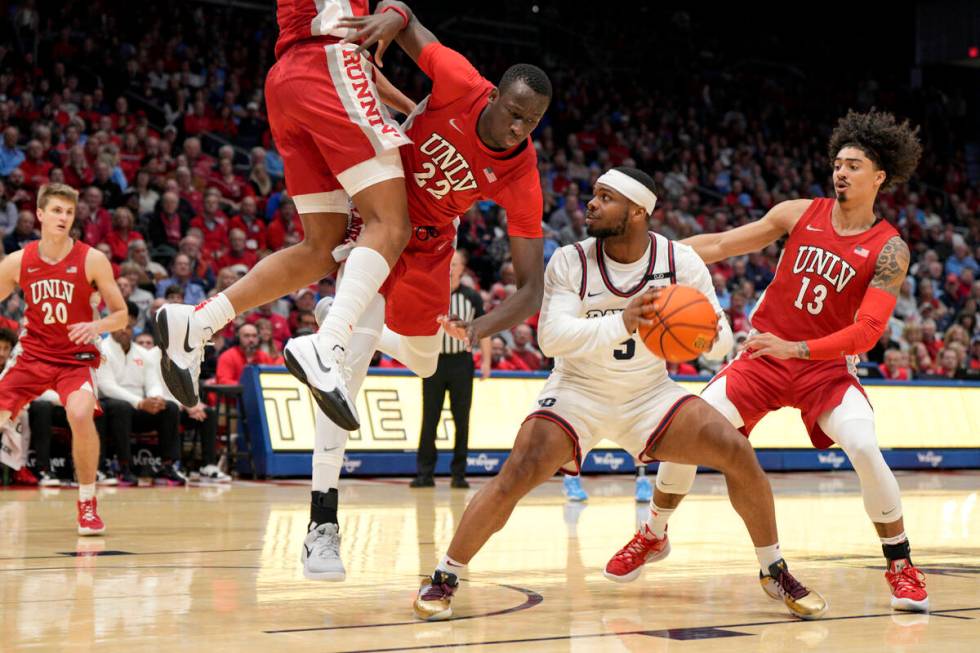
908, 586
628, 562
89, 522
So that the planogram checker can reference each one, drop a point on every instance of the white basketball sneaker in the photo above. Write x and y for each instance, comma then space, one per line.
323, 368
182, 340
321, 553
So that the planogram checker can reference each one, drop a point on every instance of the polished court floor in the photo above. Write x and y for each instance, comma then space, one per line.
217, 569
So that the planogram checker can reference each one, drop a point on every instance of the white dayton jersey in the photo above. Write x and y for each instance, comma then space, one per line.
606, 383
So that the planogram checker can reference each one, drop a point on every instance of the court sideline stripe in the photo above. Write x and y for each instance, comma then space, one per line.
647, 631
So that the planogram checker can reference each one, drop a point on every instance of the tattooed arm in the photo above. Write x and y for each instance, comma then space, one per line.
872, 318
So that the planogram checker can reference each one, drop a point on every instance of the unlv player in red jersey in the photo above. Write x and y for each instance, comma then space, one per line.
470, 142
58, 276
337, 143
840, 261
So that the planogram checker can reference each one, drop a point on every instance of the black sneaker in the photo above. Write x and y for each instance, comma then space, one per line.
170, 474
422, 481
46, 479
459, 482
127, 478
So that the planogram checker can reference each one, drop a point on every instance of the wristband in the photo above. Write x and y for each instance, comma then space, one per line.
400, 12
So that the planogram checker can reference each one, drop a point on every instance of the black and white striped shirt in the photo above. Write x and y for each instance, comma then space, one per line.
466, 304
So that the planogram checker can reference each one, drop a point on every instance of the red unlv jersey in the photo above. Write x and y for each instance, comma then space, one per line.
315, 20
821, 278
56, 296
448, 167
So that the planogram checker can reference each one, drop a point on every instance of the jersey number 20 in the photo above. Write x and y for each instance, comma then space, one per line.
55, 312
819, 295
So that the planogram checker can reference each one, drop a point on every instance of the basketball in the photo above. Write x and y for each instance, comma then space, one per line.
684, 325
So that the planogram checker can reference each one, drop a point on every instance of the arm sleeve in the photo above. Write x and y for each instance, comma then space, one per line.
109, 386
691, 271
561, 331
524, 203
857, 338
452, 75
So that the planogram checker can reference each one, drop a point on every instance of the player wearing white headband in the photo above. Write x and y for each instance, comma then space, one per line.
607, 384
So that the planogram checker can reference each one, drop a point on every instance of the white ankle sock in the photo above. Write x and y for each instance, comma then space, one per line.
767, 555
86, 492
214, 313
449, 565
897, 539
657, 521
364, 273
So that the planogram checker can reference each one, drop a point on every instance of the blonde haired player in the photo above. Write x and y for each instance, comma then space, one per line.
835, 288
607, 384
59, 276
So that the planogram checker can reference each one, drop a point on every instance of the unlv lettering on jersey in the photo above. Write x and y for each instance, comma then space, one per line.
52, 289
362, 86
828, 265
450, 162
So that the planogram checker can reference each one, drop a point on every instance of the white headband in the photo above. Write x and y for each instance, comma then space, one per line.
631, 188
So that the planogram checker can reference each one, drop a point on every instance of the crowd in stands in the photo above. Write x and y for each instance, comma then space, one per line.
157, 116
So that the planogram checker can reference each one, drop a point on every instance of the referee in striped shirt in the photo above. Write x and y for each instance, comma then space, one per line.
455, 374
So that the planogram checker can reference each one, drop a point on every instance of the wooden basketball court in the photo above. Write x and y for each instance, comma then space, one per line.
217, 568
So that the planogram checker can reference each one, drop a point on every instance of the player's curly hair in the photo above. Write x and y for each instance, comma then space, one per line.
535, 78
892, 146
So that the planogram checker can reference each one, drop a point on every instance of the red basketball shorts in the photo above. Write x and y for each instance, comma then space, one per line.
416, 291
758, 386
26, 378
330, 126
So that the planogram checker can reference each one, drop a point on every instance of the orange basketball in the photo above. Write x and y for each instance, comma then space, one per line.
684, 325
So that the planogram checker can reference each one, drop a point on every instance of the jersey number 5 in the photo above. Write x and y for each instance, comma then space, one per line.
626, 353
819, 295
55, 312
439, 188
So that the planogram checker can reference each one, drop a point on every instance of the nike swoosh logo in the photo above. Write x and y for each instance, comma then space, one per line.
810, 227
452, 122
594, 294
888, 512
324, 368
32, 270
187, 340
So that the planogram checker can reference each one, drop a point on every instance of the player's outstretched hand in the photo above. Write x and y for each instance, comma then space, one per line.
638, 310
377, 28
83, 333
766, 344
457, 328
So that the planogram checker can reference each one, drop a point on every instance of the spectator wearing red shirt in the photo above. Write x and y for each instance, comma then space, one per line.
280, 325
524, 347
284, 229
930, 339
502, 358
130, 156
948, 364
201, 164
231, 186
78, 173
305, 302
268, 343
232, 362
95, 221
736, 312
238, 253
198, 118
212, 222
895, 367
248, 221
122, 234
35, 167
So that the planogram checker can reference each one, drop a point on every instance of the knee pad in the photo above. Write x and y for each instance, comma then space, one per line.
674, 478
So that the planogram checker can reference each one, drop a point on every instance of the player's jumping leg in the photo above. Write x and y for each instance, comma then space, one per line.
184, 330
700, 435
851, 425
320, 556
540, 449
79, 409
